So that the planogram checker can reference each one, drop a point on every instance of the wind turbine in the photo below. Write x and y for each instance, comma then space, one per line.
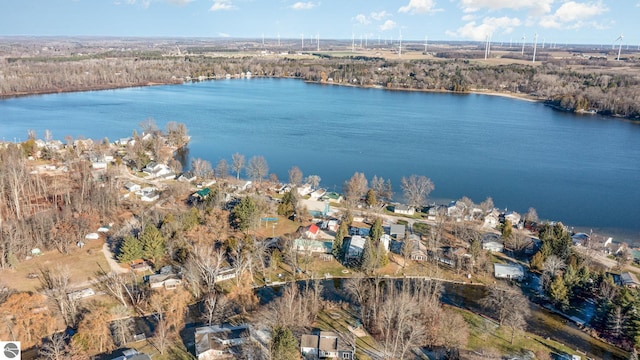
426, 43
278, 39
535, 45
620, 46
318, 40
543, 40
486, 47
524, 37
353, 42
302, 35
400, 46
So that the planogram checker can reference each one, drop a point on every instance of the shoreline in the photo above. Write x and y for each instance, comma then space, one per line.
87, 89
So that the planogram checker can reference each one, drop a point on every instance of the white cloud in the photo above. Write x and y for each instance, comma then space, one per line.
388, 25
468, 17
379, 15
418, 7
225, 35
573, 15
180, 2
536, 7
362, 19
489, 26
300, 5
219, 5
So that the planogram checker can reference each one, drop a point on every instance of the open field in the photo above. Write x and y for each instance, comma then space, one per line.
81, 263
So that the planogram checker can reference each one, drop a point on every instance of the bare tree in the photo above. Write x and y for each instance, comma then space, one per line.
313, 180
531, 215
295, 176
257, 168
502, 301
222, 169
54, 347
237, 164
553, 265
216, 307
416, 189
201, 168
516, 320
487, 205
356, 187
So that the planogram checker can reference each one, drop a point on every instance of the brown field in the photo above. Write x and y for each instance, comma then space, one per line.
82, 265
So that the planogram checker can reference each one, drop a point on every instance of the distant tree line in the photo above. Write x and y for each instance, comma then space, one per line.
571, 84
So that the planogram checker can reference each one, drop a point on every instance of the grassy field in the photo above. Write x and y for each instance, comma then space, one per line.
81, 263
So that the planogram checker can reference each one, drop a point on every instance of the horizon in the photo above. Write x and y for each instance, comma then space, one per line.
579, 22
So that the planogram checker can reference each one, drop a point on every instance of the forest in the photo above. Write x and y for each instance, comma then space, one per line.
573, 83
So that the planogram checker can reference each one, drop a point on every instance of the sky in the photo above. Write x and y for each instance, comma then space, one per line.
555, 21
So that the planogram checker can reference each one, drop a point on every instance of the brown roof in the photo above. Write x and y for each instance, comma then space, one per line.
309, 341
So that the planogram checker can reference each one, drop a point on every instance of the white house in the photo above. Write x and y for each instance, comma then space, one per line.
213, 342
513, 217
312, 231
385, 239
132, 187
167, 281
355, 247
491, 220
225, 274
397, 230
493, 246
326, 345
404, 210
156, 170
313, 246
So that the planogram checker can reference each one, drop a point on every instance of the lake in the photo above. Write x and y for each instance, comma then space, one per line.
582, 170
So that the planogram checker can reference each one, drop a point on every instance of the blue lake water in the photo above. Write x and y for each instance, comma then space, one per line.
582, 170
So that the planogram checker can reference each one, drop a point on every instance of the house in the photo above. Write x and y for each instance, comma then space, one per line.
456, 209
304, 189
283, 189
219, 341
492, 219
332, 197
132, 354
309, 346
355, 247
168, 281
225, 274
580, 239
312, 231
492, 242
326, 345
511, 272
132, 187
313, 246
99, 165
418, 252
333, 225
360, 229
150, 196
156, 170
513, 217
81, 294
188, 176
200, 195
403, 210
318, 194
629, 279
140, 265
397, 231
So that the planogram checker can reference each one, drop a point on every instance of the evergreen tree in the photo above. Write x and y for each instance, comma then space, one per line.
338, 241
383, 257
376, 230
558, 292
287, 206
131, 249
284, 345
371, 198
368, 261
507, 229
538, 260
191, 218
246, 213
153, 243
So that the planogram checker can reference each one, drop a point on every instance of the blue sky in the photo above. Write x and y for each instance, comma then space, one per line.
560, 21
